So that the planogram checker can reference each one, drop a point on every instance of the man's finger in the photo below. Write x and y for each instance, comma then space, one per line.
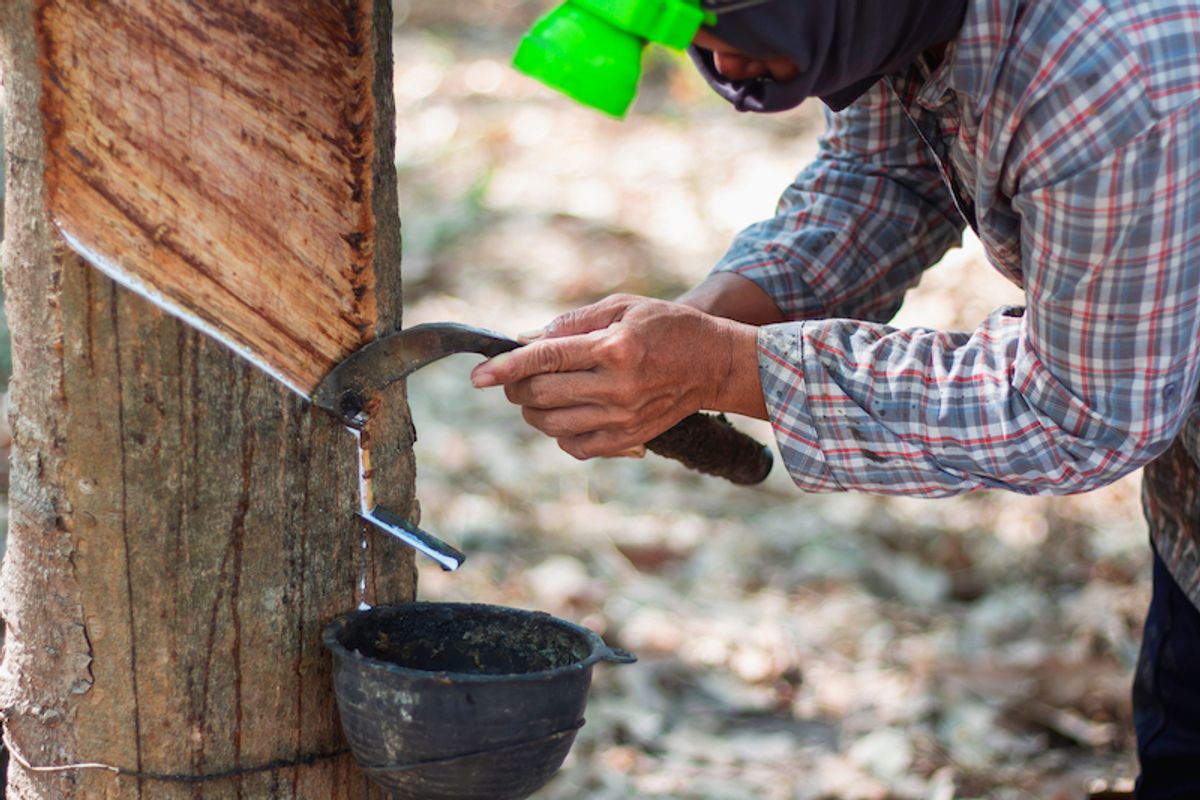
560, 422
558, 390
595, 317
547, 355
599, 444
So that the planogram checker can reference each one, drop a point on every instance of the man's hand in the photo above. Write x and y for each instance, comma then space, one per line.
606, 378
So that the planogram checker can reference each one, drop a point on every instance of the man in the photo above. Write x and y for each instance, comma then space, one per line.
1067, 134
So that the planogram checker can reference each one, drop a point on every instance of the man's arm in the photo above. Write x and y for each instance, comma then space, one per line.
1091, 380
729, 295
851, 234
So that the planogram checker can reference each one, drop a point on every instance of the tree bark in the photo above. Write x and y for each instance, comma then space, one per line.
182, 526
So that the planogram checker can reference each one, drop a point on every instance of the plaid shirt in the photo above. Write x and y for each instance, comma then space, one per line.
1067, 132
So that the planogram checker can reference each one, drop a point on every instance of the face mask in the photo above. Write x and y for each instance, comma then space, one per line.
841, 47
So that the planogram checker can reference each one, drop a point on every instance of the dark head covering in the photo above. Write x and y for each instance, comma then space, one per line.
842, 47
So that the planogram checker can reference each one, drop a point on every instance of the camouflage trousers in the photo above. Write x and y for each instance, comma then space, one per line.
1171, 502
1166, 687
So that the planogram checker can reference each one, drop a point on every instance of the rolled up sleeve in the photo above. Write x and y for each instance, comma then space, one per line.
1091, 379
857, 227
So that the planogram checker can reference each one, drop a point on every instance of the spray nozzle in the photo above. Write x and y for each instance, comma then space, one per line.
591, 50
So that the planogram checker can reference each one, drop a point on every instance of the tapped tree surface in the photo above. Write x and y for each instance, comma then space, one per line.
183, 525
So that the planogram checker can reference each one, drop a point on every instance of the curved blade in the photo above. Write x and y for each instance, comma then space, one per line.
368, 371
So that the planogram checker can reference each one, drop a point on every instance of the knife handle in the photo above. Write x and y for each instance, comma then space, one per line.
710, 444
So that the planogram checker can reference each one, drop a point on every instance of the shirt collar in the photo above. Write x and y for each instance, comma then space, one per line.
973, 62
936, 89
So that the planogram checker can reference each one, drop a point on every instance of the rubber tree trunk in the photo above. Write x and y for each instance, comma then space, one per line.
181, 525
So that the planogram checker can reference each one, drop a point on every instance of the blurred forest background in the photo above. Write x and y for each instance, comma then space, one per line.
792, 646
